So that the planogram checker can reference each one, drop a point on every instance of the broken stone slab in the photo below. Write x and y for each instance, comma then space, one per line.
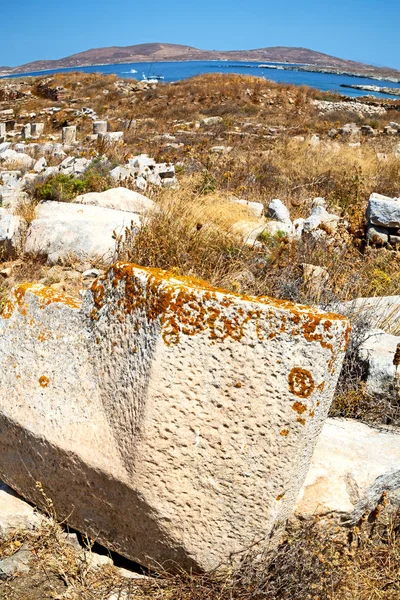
378, 352
173, 421
15, 513
99, 127
119, 199
69, 134
383, 211
64, 230
352, 465
37, 129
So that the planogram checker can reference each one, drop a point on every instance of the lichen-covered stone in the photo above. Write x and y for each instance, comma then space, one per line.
173, 421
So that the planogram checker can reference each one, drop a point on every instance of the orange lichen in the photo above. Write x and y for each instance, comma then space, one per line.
44, 381
301, 421
301, 382
280, 496
238, 385
284, 432
187, 306
299, 407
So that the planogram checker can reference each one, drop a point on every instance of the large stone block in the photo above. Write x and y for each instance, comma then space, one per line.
173, 421
63, 230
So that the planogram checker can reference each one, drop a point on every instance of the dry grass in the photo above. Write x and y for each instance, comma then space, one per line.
316, 560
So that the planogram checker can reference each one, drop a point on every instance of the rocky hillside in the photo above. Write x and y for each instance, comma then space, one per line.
175, 52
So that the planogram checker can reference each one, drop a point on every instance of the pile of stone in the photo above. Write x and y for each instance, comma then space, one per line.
358, 108
383, 220
143, 170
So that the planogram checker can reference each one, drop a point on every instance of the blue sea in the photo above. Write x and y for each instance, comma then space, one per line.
175, 71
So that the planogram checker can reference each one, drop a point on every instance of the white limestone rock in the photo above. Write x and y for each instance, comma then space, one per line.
119, 199
378, 352
63, 230
18, 160
279, 212
15, 513
172, 401
352, 465
256, 209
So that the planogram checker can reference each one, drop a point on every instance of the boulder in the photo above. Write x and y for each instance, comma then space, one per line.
378, 353
62, 230
352, 465
173, 421
383, 211
119, 199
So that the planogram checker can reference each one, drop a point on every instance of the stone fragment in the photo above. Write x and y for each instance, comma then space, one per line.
40, 165
99, 127
377, 352
17, 564
377, 235
37, 129
207, 121
278, 211
383, 211
18, 160
171, 400
65, 229
12, 233
352, 465
15, 513
69, 134
26, 131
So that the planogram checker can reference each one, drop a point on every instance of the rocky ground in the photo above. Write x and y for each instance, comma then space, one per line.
258, 189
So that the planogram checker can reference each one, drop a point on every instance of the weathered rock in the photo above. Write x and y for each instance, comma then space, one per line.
383, 211
15, 513
18, 160
278, 211
378, 352
40, 165
63, 230
12, 233
377, 235
16, 564
99, 127
119, 199
69, 134
192, 412
37, 129
352, 465
206, 121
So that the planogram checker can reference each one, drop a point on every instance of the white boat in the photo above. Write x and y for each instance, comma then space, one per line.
152, 78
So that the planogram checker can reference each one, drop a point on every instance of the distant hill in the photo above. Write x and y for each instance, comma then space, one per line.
157, 52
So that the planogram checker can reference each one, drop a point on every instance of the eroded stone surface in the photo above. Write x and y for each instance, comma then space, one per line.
174, 421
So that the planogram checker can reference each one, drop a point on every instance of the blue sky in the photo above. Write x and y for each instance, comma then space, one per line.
364, 30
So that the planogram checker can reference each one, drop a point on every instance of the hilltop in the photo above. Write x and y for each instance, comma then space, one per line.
159, 52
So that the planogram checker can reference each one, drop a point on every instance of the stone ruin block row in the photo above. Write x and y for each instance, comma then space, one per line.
173, 421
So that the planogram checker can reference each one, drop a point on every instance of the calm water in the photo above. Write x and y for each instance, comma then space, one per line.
174, 71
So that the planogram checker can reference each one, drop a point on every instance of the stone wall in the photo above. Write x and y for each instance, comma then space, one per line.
172, 421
